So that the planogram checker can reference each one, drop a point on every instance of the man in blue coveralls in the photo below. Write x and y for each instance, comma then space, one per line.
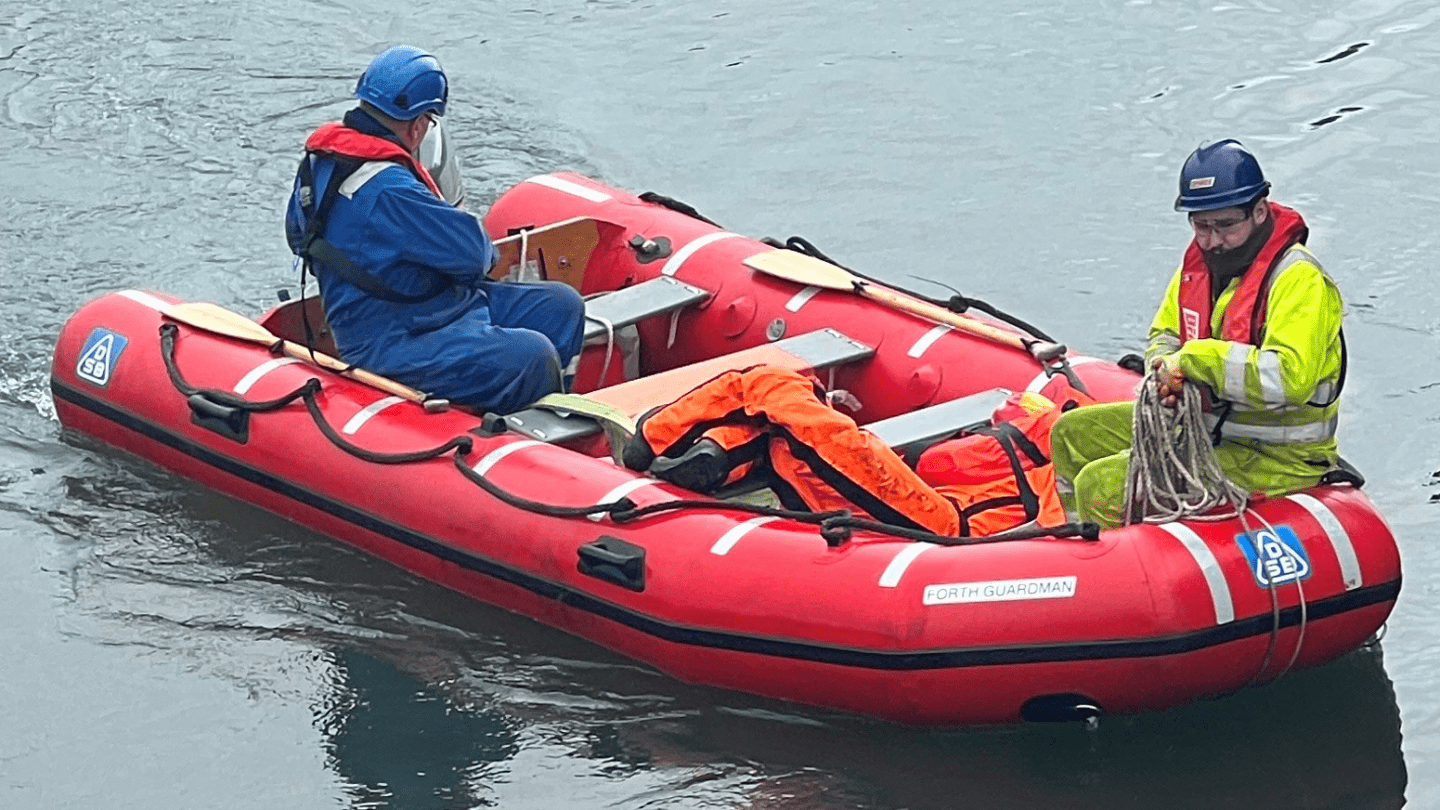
402, 272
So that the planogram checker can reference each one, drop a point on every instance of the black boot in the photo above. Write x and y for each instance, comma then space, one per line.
703, 468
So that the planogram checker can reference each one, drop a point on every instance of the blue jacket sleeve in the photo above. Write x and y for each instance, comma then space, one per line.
433, 233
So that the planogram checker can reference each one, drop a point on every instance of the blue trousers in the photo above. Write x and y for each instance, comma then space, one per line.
500, 357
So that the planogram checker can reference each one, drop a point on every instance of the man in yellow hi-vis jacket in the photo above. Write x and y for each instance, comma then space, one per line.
1251, 314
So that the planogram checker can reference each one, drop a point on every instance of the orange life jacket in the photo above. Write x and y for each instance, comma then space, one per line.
999, 476
819, 457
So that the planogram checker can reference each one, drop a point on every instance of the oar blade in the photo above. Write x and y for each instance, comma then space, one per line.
802, 269
221, 321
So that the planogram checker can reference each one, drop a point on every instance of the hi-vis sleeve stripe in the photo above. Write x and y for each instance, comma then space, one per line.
1165, 342
1272, 384
1237, 361
1267, 371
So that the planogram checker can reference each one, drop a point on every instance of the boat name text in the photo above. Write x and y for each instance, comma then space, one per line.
1000, 590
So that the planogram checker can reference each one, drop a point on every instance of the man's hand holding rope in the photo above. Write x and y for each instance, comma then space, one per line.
1169, 379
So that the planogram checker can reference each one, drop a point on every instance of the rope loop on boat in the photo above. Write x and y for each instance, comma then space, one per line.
460, 444
634, 512
306, 392
167, 351
618, 506
843, 524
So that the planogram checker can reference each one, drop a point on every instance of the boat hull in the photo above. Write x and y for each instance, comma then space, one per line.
916, 632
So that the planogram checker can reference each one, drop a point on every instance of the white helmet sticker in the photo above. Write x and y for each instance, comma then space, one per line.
1202, 182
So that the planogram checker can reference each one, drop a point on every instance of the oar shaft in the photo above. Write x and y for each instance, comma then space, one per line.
370, 378
220, 321
939, 314
804, 269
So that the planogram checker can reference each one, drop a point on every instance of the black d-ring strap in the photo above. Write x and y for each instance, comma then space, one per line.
306, 391
167, 352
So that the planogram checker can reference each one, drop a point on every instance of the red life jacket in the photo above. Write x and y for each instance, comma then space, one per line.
337, 139
1244, 320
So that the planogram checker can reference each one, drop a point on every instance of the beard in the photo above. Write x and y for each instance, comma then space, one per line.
1227, 263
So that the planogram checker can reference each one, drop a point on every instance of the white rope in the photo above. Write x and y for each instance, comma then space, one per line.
1174, 472
609, 346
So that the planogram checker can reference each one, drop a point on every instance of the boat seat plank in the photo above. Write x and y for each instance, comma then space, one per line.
811, 351
808, 352
910, 433
637, 302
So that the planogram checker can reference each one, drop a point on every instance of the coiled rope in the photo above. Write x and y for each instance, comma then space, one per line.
1174, 472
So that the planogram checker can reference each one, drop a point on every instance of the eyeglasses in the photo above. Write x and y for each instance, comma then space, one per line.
1218, 227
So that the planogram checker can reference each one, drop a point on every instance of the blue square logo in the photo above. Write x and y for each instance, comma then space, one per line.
1276, 555
98, 356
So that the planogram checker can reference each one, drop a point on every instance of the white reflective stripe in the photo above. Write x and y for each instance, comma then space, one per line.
1044, 377
1237, 360
927, 340
1338, 536
1294, 255
483, 465
261, 370
1272, 385
1278, 434
1324, 392
362, 175
672, 265
728, 540
621, 491
561, 184
368, 411
897, 566
801, 298
145, 298
1165, 342
1209, 567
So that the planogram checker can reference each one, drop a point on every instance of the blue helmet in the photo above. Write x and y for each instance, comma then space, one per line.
403, 82
1220, 175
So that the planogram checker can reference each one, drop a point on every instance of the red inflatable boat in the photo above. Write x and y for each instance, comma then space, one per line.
527, 511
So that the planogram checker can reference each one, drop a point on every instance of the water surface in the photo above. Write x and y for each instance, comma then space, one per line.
166, 647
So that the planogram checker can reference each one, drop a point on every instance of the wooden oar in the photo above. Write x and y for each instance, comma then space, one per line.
221, 321
813, 272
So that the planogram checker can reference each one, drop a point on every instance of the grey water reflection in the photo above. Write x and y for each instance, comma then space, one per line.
1327, 739
1324, 739
398, 742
